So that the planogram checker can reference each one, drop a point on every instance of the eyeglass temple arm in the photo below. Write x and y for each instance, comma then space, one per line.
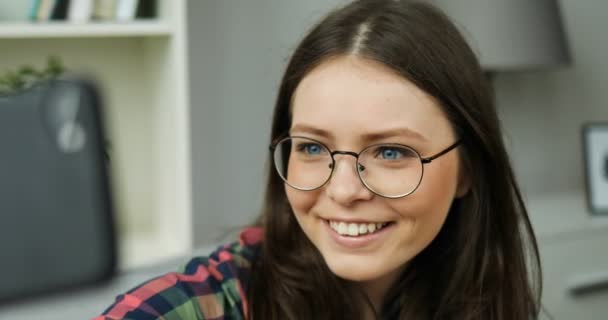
446, 150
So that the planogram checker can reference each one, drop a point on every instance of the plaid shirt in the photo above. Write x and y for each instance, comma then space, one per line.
208, 288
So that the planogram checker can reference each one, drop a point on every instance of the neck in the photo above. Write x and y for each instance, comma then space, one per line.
376, 291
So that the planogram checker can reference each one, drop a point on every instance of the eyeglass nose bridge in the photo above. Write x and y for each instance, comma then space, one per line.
359, 166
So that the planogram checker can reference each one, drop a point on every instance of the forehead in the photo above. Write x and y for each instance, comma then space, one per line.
350, 94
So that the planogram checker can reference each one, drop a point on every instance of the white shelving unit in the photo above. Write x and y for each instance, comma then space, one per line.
25, 30
142, 68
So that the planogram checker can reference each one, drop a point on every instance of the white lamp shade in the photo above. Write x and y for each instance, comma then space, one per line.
511, 34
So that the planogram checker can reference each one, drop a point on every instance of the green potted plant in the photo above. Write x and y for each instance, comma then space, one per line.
25, 76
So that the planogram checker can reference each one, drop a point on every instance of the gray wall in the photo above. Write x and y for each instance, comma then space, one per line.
238, 50
543, 112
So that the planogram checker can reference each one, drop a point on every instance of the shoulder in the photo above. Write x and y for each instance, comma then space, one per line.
206, 288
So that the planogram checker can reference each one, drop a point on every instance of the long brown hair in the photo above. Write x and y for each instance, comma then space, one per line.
484, 262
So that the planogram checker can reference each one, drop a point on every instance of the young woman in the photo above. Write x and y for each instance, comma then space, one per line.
391, 197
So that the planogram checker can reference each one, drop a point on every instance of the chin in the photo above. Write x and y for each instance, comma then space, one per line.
354, 271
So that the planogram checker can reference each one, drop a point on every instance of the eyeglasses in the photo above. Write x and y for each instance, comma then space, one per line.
389, 170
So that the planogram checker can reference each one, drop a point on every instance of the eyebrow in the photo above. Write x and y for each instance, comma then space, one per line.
372, 136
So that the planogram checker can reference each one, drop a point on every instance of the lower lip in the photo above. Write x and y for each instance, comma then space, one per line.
358, 241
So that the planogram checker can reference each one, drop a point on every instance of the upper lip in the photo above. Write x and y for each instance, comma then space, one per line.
351, 220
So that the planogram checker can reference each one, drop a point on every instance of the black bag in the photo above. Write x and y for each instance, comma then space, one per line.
56, 217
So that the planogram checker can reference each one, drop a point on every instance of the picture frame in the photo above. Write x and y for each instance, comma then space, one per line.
595, 154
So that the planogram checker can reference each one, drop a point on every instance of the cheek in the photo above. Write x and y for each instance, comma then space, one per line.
440, 179
300, 201
433, 198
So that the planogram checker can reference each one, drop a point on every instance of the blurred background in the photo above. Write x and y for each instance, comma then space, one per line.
189, 89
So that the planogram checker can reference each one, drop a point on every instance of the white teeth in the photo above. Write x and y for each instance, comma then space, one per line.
342, 229
355, 229
371, 227
362, 229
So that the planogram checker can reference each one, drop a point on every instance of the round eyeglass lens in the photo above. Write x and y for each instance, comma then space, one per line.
390, 170
302, 163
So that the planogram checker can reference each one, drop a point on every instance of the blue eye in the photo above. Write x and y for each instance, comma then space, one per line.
390, 153
310, 148
313, 149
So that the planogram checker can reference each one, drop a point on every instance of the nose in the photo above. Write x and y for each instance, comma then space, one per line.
345, 187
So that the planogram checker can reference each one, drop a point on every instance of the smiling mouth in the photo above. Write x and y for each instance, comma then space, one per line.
356, 229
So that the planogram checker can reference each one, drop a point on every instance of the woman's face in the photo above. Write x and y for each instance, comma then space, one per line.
348, 103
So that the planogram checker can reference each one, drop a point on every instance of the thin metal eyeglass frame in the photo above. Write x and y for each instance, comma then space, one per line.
358, 166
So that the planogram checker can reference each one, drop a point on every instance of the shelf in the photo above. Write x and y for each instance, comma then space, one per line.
25, 30
141, 67
138, 250
141, 250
